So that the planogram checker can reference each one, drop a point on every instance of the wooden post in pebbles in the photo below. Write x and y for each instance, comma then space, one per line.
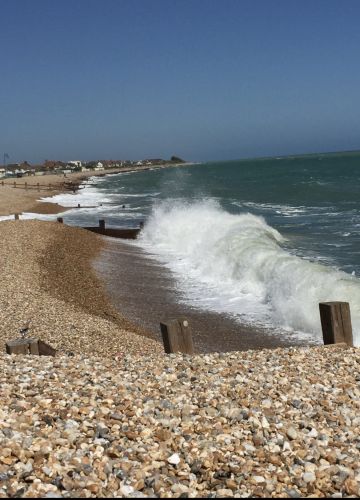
29, 346
176, 335
60, 219
78, 205
26, 186
14, 184
336, 323
16, 216
102, 224
22, 346
38, 186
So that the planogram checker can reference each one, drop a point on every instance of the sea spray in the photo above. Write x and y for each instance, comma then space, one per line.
236, 263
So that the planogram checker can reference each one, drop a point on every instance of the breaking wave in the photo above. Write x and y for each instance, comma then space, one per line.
236, 264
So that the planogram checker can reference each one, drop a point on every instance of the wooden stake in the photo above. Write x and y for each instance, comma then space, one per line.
16, 216
336, 323
102, 224
176, 334
34, 347
22, 346
60, 219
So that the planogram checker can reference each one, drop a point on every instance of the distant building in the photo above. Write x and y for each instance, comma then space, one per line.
54, 164
75, 163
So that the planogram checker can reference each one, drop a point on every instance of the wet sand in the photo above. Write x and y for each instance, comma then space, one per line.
144, 291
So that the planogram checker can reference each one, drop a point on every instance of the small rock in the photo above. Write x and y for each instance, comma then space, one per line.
309, 477
174, 459
291, 433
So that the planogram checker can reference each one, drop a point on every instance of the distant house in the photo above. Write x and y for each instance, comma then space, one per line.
2, 172
25, 168
75, 163
54, 165
99, 166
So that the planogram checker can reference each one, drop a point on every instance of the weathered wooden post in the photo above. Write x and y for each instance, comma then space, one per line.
22, 346
14, 184
16, 216
38, 186
60, 219
336, 323
176, 335
2, 183
29, 346
49, 186
102, 224
26, 186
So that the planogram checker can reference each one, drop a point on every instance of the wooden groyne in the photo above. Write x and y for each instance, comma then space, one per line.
67, 186
124, 233
113, 232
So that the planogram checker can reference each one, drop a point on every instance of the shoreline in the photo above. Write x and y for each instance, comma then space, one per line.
148, 295
18, 200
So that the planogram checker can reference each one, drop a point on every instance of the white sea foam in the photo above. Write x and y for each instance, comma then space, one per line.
286, 210
30, 215
236, 263
88, 196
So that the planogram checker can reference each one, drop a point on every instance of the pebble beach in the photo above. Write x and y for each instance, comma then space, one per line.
271, 423
112, 416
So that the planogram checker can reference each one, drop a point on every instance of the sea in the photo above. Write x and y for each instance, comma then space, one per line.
262, 240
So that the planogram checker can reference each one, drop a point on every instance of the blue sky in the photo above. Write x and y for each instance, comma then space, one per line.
202, 79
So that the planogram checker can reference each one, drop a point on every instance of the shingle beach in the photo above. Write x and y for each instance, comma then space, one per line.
112, 416
279, 423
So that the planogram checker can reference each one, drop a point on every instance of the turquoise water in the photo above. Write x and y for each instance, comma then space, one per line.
264, 239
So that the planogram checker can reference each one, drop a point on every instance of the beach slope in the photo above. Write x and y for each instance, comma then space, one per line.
47, 282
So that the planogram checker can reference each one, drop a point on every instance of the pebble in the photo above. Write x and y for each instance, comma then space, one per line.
309, 477
174, 459
291, 433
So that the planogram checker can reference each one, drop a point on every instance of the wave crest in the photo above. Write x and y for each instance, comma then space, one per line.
236, 264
